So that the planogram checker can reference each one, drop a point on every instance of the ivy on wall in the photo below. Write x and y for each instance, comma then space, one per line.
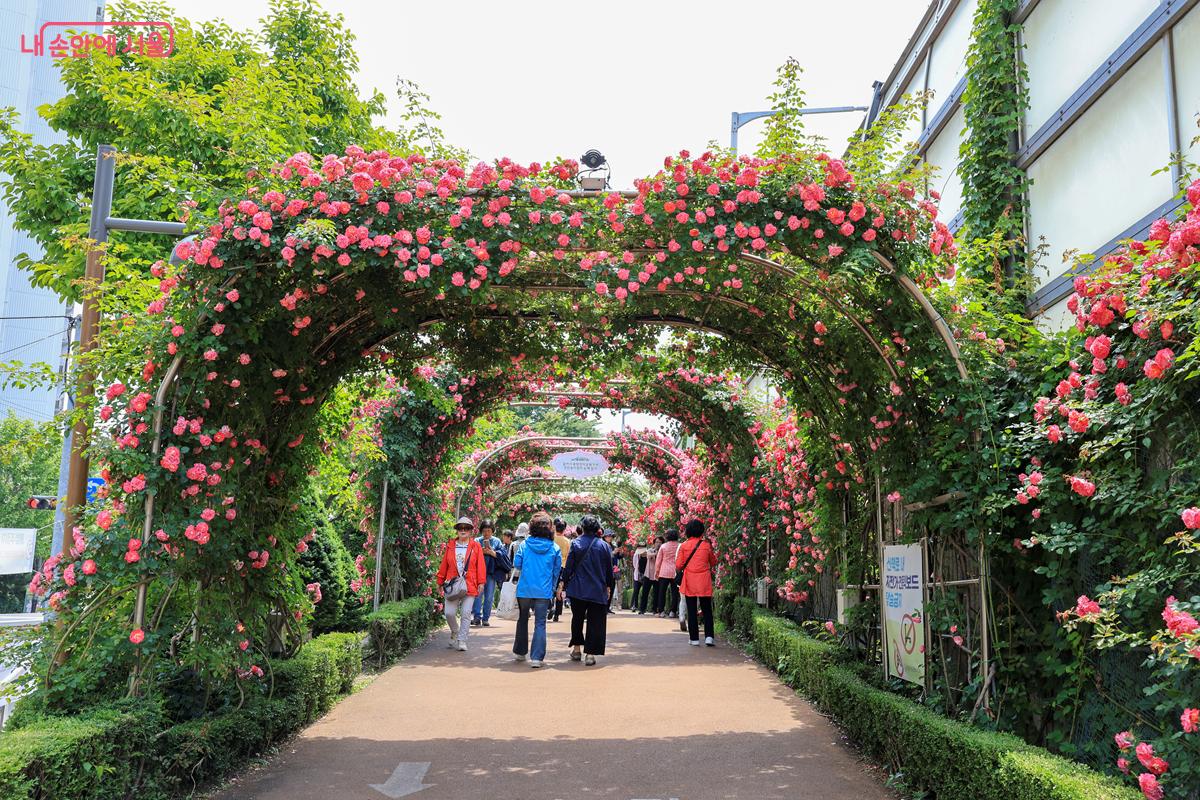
993, 102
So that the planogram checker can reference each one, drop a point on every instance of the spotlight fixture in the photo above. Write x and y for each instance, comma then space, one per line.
593, 159
591, 180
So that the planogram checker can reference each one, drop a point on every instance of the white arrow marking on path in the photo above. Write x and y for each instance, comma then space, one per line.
407, 778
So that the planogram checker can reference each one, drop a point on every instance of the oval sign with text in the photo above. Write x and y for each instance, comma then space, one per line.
579, 464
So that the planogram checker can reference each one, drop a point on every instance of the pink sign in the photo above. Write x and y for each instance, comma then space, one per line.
141, 37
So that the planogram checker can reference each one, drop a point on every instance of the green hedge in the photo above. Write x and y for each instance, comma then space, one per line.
131, 749
396, 628
94, 755
948, 758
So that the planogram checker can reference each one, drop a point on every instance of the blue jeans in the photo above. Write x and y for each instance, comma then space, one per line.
540, 607
483, 600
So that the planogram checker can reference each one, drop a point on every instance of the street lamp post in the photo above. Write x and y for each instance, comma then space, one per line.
740, 118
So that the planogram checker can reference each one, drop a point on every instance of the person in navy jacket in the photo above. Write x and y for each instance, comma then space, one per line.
587, 578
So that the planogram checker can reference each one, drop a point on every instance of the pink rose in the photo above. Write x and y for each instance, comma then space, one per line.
1087, 608
1149, 786
1191, 517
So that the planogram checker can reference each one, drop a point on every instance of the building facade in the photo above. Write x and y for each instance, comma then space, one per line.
1113, 93
33, 322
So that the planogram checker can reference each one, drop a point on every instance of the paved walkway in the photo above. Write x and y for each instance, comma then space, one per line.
654, 718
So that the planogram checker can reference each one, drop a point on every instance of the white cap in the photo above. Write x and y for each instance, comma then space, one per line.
523, 530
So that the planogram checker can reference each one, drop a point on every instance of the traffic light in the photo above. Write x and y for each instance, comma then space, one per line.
42, 502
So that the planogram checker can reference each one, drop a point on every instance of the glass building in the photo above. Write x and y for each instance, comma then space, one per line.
33, 321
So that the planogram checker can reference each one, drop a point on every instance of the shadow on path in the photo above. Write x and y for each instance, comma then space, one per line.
655, 718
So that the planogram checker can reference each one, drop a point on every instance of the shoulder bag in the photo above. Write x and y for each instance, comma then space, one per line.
456, 588
683, 569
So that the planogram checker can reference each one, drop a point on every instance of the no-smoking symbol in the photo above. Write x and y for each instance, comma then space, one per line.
908, 633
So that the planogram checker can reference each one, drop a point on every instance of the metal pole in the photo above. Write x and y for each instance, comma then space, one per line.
740, 118
985, 648
102, 194
58, 535
379, 544
883, 644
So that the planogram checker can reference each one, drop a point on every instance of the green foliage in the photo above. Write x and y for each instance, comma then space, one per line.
930, 752
189, 128
555, 422
324, 669
131, 748
785, 128
97, 754
396, 628
328, 563
993, 185
29, 458
742, 618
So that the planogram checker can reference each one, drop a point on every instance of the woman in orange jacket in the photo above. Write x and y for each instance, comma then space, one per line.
462, 572
696, 559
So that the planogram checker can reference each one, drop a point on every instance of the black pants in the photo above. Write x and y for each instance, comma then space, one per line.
556, 611
705, 604
637, 593
666, 595
647, 585
589, 625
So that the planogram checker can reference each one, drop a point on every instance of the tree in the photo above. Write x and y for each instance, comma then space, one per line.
29, 457
555, 421
189, 129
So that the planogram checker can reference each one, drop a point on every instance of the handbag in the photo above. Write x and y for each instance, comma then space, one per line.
565, 578
679, 574
456, 588
507, 607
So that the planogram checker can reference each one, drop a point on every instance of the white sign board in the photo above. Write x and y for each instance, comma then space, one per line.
579, 464
16, 550
904, 611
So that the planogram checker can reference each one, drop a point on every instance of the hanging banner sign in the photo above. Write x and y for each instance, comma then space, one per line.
16, 550
579, 464
904, 612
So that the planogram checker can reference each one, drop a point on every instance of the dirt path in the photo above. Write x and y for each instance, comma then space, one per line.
654, 719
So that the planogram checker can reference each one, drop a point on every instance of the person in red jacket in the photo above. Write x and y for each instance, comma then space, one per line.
462, 573
696, 559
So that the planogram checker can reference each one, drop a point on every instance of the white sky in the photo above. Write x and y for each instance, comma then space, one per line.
637, 79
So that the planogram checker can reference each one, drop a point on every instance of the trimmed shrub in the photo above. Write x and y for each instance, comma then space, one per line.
97, 754
324, 669
951, 759
398, 627
203, 750
129, 749
744, 610
723, 607
329, 563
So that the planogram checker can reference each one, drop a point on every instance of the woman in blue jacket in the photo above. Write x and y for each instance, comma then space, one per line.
537, 566
587, 577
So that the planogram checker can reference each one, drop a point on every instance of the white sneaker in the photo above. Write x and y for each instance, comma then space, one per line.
452, 644
536, 664
694, 642
518, 658
462, 646
708, 640
589, 661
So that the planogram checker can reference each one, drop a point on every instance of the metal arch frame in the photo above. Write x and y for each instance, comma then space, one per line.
518, 486
568, 500
575, 396
906, 284
556, 443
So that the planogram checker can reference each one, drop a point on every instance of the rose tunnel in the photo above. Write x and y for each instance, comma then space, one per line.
476, 287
